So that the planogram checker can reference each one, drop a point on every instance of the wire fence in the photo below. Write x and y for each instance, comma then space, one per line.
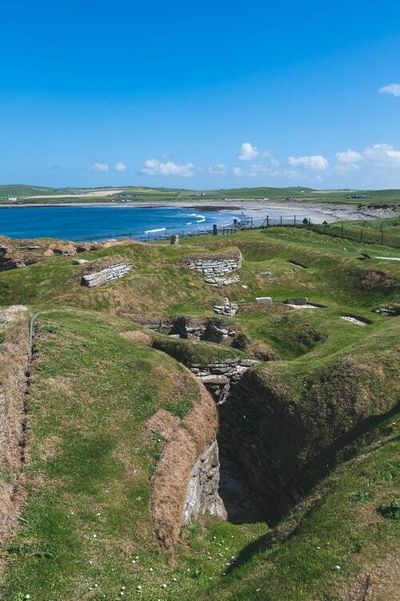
245, 223
360, 233
357, 231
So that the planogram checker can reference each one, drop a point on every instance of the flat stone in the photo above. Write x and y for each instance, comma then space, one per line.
248, 362
217, 380
263, 300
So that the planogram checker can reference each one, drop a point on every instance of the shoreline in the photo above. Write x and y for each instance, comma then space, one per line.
251, 208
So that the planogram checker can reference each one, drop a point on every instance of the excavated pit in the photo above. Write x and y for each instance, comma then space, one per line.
251, 486
232, 477
242, 502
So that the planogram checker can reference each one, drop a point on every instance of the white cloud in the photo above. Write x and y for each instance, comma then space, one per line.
247, 152
349, 156
100, 167
156, 167
218, 169
374, 162
316, 161
383, 155
348, 160
237, 171
120, 167
393, 89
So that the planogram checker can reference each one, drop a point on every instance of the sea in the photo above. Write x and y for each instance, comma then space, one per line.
99, 223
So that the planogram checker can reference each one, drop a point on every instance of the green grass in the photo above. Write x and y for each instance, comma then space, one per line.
86, 520
383, 232
86, 517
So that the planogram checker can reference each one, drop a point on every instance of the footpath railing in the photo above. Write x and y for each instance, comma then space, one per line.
359, 232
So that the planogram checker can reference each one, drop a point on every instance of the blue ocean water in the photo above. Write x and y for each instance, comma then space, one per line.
80, 223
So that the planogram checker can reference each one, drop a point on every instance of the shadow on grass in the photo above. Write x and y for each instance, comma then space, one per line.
280, 533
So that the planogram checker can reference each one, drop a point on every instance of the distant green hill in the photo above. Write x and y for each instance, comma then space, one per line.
24, 194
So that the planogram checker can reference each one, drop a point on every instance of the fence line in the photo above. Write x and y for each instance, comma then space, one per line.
215, 229
359, 233
349, 231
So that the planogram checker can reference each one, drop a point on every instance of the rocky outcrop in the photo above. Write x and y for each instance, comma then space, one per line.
217, 269
106, 275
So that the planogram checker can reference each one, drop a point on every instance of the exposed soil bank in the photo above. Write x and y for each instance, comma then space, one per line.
15, 381
176, 492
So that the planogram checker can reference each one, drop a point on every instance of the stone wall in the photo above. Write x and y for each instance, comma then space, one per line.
217, 270
104, 276
202, 494
187, 328
218, 378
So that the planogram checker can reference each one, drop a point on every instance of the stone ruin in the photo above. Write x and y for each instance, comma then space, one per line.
219, 377
263, 300
20, 253
388, 310
106, 275
227, 308
217, 269
187, 328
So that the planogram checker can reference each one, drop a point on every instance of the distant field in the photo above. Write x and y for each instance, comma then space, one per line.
38, 194
366, 197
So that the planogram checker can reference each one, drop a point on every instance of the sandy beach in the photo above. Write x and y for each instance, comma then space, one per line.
251, 208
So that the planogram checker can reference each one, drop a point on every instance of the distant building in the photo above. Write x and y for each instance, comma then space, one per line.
12, 199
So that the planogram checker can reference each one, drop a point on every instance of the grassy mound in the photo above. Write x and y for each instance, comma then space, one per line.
88, 476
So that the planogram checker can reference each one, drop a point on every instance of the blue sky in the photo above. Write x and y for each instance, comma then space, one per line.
200, 94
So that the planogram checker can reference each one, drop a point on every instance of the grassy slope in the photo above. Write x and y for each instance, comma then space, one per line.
324, 547
93, 390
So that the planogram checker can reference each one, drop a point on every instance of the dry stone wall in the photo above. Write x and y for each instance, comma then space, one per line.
186, 327
202, 494
217, 270
104, 276
218, 378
